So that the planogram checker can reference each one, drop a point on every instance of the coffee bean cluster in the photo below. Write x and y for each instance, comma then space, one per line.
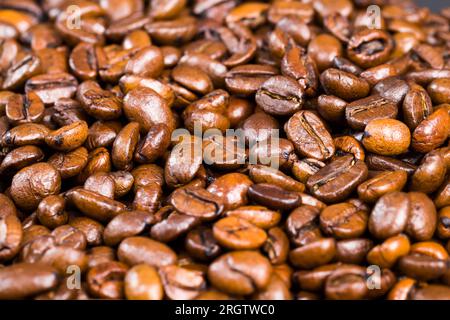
99, 201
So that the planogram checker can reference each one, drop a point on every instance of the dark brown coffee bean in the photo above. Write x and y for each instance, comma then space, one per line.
347, 282
386, 182
274, 197
313, 254
137, 250
52, 87
19, 158
431, 132
280, 96
336, 181
247, 79
417, 106
125, 225
11, 236
28, 189
344, 85
30, 279
240, 272
51, 213
309, 135
302, 225
343, 221
360, 112
369, 48
106, 280
95, 205
390, 215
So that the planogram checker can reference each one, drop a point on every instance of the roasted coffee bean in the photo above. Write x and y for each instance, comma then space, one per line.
302, 225
95, 205
197, 202
382, 163
69, 137
431, 132
52, 87
360, 112
106, 280
274, 197
323, 49
353, 251
417, 106
147, 108
385, 182
142, 282
386, 137
32, 184
347, 283
181, 283
125, 225
51, 213
387, 253
313, 254
240, 272
247, 79
430, 174
19, 158
137, 250
344, 85
309, 135
336, 181
238, 234
368, 48
24, 109
343, 221
439, 90
280, 96
30, 279
98, 103
11, 237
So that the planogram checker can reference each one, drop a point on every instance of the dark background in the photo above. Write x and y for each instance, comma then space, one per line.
434, 5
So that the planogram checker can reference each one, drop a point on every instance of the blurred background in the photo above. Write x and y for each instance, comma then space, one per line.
434, 5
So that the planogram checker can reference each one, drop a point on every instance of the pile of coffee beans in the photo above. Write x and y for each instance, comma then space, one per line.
102, 194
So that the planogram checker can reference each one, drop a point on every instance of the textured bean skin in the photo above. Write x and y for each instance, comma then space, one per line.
225, 150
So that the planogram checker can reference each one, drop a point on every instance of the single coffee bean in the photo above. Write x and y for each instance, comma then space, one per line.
417, 106
28, 189
309, 135
302, 225
126, 224
274, 197
314, 254
390, 215
137, 250
344, 85
360, 112
431, 132
343, 221
30, 279
238, 234
387, 137
240, 272
11, 236
385, 182
181, 283
336, 181
106, 280
280, 96
142, 282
